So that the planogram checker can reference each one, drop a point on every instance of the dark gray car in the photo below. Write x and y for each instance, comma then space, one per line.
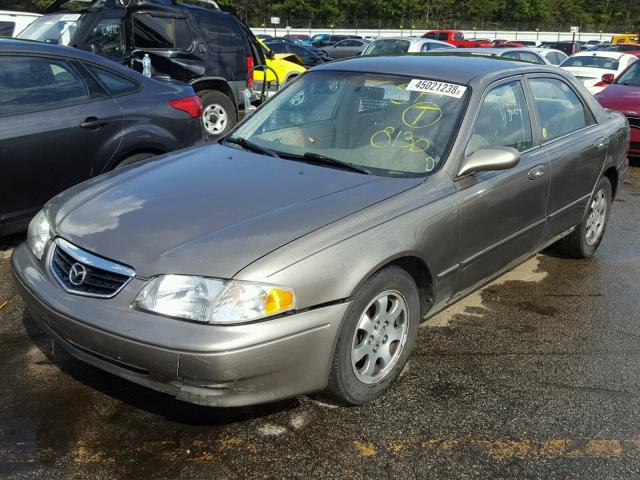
67, 115
302, 253
350, 47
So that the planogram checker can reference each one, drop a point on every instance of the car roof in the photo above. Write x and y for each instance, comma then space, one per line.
444, 65
31, 47
413, 40
601, 53
19, 14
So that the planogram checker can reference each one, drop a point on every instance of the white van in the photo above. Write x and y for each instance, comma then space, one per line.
12, 23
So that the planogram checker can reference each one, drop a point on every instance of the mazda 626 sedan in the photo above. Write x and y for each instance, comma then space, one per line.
301, 252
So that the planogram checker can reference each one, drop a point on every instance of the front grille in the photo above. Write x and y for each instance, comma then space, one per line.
635, 146
92, 276
634, 121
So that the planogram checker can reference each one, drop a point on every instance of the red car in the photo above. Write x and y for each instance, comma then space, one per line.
456, 38
623, 95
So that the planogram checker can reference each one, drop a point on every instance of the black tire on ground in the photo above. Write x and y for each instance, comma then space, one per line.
344, 385
216, 101
576, 244
134, 158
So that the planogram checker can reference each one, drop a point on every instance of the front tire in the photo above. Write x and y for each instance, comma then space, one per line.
377, 335
585, 239
218, 113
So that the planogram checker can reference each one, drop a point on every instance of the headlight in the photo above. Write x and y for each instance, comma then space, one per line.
211, 300
38, 235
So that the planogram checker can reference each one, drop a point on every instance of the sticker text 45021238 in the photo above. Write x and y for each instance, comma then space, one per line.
439, 88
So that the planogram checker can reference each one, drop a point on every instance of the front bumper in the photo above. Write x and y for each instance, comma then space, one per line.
634, 144
205, 364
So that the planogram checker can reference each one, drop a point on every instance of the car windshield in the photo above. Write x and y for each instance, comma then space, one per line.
631, 76
57, 28
591, 61
387, 47
385, 124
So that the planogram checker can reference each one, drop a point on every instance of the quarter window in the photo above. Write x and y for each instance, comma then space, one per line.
36, 84
559, 108
503, 120
115, 84
150, 31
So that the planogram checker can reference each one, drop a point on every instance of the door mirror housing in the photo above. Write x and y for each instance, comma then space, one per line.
488, 159
608, 78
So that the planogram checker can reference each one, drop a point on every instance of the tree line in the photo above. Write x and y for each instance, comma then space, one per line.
605, 15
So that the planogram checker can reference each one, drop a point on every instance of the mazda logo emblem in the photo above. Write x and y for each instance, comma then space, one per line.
77, 274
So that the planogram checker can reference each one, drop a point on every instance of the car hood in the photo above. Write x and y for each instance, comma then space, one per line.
209, 211
625, 98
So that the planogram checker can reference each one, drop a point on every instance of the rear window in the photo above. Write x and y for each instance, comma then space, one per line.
152, 31
387, 47
6, 29
592, 61
220, 31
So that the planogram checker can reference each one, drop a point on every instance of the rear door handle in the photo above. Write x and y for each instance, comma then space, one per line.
92, 123
536, 172
601, 143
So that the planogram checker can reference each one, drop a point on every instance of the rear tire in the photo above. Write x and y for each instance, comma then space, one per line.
585, 239
218, 113
376, 338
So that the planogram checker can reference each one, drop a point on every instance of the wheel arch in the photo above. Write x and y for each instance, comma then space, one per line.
419, 271
214, 83
612, 174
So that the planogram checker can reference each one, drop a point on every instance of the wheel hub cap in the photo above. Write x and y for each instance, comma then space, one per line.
214, 118
596, 217
380, 337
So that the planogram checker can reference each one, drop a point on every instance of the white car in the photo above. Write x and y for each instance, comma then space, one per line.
589, 67
12, 23
402, 45
541, 56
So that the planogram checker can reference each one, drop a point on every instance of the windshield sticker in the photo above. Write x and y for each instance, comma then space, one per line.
438, 88
70, 17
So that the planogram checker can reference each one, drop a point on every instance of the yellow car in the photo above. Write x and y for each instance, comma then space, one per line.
626, 38
283, 67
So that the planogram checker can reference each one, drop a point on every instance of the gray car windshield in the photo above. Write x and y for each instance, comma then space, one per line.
390, 125
57, 28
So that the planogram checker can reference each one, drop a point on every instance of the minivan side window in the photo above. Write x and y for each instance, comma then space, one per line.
559, 109
150, 31
503, 120
107, 37
30, 84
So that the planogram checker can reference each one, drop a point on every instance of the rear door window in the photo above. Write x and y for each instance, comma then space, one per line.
559, 109
157, 32
30, 84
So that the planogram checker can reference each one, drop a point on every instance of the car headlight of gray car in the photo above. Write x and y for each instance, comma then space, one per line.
39, 234
212, 300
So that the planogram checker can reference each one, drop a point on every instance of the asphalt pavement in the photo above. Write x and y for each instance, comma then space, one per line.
536, 376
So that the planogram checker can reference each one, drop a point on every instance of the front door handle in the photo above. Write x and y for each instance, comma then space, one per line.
601, 143
536, 172
92, 123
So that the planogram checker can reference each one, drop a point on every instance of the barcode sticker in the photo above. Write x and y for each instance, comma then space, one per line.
439, 88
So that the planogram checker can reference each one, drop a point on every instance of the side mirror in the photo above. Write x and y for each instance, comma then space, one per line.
488, 159
608, 78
